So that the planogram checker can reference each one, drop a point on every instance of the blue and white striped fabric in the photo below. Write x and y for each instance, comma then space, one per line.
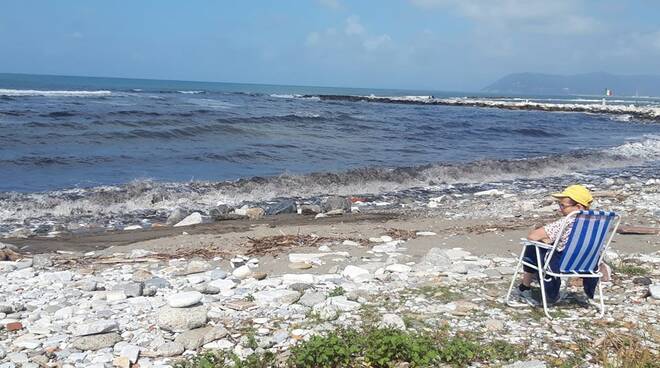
586, 241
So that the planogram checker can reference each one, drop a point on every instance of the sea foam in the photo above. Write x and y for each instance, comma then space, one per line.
31, 92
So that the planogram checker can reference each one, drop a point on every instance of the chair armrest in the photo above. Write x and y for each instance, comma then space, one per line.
525, 241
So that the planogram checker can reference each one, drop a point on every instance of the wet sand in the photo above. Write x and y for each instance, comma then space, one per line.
497, 237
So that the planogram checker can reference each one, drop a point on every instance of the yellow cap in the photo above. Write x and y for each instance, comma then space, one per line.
578, 193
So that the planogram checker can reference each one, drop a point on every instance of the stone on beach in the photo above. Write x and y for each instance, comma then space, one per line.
222, 285
356, 274
390, 320
130, 352
242, 272
176, 216
654, 290
194, 218
336, 203
93, 328
276, 297
181, 319
194, 339
255, 213
96, 342
184, 299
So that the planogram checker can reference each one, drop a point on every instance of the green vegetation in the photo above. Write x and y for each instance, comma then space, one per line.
629, 269
377, 348
440, 293
337, 291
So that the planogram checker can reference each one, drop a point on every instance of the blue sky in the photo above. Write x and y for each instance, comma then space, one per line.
460, 45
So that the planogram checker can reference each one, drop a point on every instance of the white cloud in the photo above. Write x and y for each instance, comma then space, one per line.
533, 16
354, 37
374, 43
353, 26
331, 4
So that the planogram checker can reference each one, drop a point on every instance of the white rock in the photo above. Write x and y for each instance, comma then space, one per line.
131, 352
27, 341
492, 192
426, 233
182, 319
64, 276
222, 284
185, 299
194, 218
222, 344
94, 328
115, 295
313, 258
356, 274
293, 278
527, 364
350, 243
132, 227
18, 358
399, 268
456, 253
384, 248
392, 321
655, 291
276, 297
242, 272
342, 303
64, 313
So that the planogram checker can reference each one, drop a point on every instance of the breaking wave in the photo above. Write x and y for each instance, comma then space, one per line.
31, 92
148, 198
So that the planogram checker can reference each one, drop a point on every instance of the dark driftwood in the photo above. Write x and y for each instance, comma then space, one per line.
638, 230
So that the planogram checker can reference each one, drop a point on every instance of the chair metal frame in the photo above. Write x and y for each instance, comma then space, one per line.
543, 266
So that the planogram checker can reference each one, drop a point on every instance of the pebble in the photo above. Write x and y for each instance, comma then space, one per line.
181, 319
390, 320
185, 299
93, 328
654, 290
96, 342
242, 272
642, 281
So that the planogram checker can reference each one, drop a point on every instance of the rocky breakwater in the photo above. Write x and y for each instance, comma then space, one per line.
147, 311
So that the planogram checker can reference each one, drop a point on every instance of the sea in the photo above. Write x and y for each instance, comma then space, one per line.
80, 138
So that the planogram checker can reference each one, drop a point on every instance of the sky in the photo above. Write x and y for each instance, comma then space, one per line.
450, 45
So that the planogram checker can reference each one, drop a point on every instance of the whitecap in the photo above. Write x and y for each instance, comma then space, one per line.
31, 92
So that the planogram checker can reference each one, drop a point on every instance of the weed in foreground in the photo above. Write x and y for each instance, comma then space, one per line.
376, 348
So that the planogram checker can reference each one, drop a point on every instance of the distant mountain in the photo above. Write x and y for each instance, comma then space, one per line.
579, 84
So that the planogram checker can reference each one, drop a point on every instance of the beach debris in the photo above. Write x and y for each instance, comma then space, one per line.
638, 230
279, 243
336, 203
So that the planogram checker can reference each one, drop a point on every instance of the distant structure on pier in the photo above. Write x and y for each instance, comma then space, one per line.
608, 92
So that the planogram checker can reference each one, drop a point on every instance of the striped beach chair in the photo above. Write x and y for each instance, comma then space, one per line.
587, 241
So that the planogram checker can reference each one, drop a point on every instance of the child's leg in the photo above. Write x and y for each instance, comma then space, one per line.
606, 270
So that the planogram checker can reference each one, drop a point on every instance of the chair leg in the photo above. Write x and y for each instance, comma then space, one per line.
602, 302
513, 280
542, 282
